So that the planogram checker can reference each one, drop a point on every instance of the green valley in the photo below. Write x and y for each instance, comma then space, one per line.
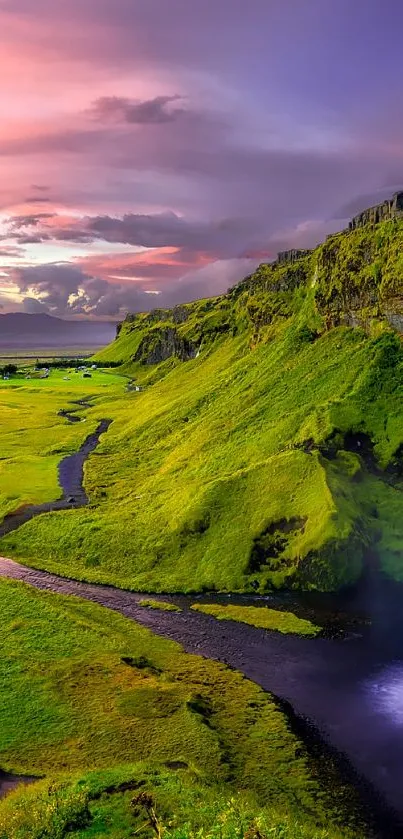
260, 444
247, 443
201, 419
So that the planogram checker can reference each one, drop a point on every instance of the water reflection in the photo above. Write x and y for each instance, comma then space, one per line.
385, 692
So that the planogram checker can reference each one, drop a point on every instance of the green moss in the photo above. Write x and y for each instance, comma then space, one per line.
260, 616
185, 807
160, 604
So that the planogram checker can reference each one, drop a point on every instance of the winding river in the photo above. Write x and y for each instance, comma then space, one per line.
345, 686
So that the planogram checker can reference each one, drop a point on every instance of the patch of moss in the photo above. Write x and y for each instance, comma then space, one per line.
260, 616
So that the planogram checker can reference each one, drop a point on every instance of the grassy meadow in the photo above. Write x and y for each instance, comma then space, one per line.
163, 605
105, 709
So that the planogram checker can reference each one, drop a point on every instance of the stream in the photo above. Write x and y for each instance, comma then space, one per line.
345, 686
70, 480
349, 688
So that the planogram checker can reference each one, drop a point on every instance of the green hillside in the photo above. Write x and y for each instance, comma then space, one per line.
264, 447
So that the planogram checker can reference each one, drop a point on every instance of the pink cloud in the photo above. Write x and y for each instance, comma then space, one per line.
209, 138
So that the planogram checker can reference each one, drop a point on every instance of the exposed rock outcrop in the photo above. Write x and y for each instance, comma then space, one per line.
284, 257
163, 343
392, 208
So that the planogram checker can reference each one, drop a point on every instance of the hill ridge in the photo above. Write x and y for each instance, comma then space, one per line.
41, 330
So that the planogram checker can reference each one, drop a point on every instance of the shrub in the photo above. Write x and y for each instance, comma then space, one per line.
9, 370
44, 811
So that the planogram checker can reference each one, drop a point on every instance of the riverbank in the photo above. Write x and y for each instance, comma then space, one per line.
326, 682
98, 694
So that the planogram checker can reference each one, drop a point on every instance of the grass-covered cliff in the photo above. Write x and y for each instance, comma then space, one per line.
264, 447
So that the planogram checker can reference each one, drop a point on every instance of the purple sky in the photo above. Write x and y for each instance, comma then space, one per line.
153, 151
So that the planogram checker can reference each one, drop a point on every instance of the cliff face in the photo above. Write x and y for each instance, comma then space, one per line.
293, 255
163, 343
355, 278
358, 277
392, 208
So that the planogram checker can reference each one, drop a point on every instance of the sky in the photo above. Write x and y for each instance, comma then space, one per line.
155, 151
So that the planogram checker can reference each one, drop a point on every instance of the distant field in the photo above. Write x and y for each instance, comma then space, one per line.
46, 354
66, 380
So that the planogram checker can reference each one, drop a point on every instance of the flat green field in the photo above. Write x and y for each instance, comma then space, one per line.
30, 356
69, 381
100, 705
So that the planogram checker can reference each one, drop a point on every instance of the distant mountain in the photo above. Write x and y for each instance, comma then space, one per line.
23, 331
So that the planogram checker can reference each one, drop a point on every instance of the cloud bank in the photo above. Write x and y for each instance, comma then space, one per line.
152, 151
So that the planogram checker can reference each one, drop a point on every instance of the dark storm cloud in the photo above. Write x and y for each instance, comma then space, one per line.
64, 290
32, 199
258, 125
168, 230
32, 306
149, 112
159, 230
269, 188
71, 234
33, 240
29, 220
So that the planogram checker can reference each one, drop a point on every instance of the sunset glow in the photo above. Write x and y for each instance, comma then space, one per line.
142, 142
